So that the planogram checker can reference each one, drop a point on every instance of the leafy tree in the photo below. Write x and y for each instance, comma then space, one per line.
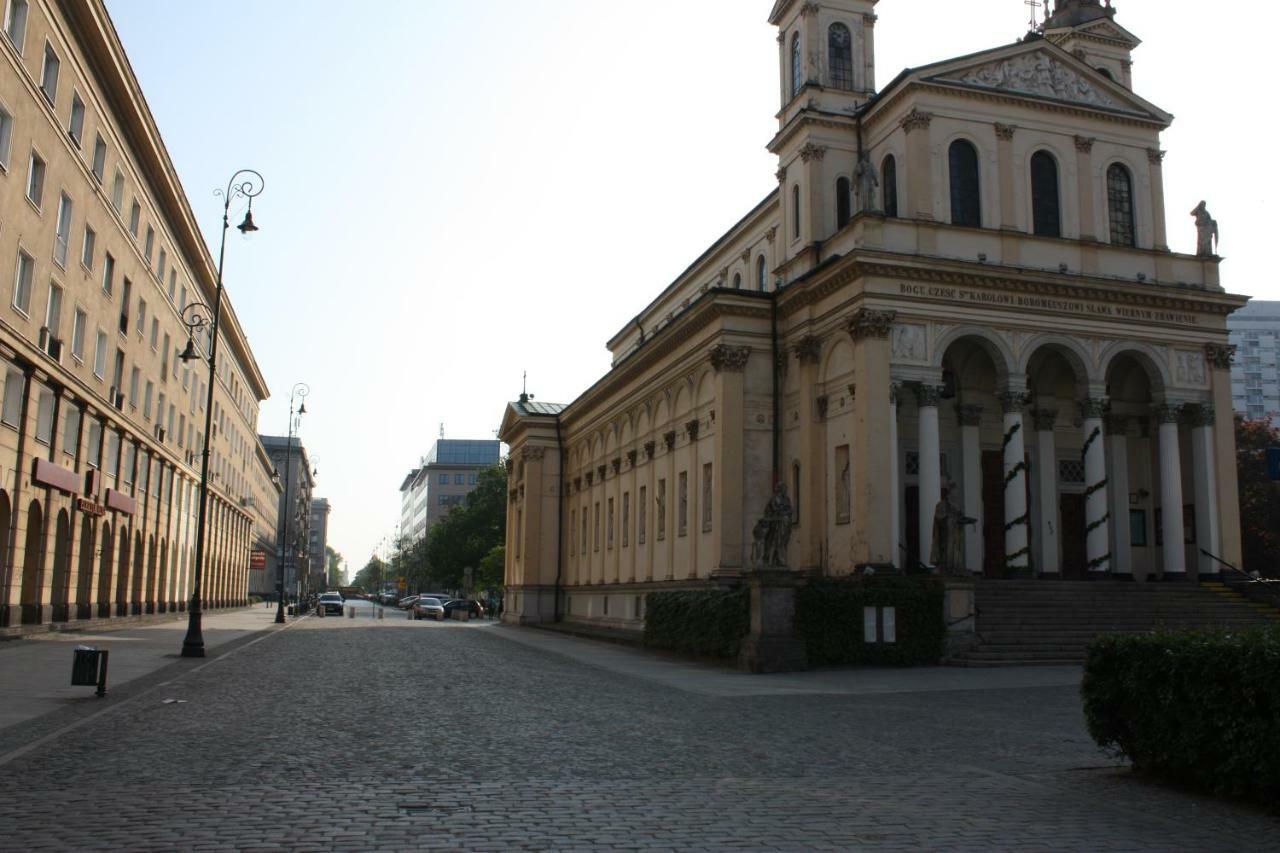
489, 574
372, 577
470, 532
337, 575
1259, 496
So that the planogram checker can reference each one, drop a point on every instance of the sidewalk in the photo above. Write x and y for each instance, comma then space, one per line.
35, 672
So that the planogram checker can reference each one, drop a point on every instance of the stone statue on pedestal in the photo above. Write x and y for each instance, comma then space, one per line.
1206, 231
777, 528
865, 182
949, 522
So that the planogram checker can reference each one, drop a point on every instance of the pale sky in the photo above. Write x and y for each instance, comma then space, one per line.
460, 191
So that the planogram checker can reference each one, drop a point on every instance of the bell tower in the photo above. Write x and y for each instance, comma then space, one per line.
826, 52
1088, 30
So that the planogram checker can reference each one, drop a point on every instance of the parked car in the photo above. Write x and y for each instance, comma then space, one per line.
388, 598
332, 602
407, 602
475, 608
427, 607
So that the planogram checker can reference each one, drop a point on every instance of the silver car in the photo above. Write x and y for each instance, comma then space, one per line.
428, 608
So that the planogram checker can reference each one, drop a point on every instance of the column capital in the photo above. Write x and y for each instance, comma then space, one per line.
895, 388
1005, 131
669, 439
1155, 156
728, 358
1084, 144
915, 120
1094, 407
812, 152
928, 395
869, 323
808, 349
692, 428
1012, 401
1198, 415
1115, 424
969, 415
1220, 355
1044, 419
1166, 413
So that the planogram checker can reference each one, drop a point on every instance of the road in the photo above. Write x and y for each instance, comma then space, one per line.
367, 734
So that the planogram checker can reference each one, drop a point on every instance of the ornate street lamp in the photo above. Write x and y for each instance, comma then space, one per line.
245, 183
297, 395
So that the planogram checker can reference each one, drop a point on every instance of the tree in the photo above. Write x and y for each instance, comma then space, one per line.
1259, 496
470, 532
373, 576
334, 561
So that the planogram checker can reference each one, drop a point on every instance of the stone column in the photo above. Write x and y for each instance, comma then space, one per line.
1017, 554
1117, 429
1219, 357
812, 459
1156, 158
1175, 562
1046, 493
895, 479
1084, 187
928, 397
1097, 511
812, 194
1004, 157
970, 417
1201, 419
869, 53
919, 166
874, 539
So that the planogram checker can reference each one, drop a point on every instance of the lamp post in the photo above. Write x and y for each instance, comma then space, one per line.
298, 395
245, 183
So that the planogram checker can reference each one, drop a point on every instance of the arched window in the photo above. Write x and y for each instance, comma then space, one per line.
1120, 205
842, 202
966, 206
1105, 72
840, 56
795, 211
1046, 220
889, 183
762, 275
737, 281
795, 65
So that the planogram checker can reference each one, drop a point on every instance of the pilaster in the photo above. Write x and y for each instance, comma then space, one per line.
874, 541
729, 461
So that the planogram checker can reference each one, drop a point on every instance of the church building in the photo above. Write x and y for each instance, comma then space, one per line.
959, 300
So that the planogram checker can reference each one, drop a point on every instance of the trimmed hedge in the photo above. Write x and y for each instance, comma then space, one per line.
1195, 707
710, 623
829, 618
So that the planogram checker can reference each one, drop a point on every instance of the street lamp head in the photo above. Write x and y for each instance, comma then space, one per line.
247, 226
302, 410
190, 354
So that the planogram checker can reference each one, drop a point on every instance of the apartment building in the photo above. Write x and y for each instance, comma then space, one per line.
101, 424
443, 479
293, 468
1255, 373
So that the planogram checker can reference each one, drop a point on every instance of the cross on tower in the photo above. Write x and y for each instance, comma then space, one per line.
1034, 5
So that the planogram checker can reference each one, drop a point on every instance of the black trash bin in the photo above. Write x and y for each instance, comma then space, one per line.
89, 669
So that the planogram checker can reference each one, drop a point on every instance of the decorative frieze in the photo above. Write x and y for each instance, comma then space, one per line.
1220, 355
533, 452
1084, 144
692, 428
869, 323
813, 152
915, 120
1005, 131
669, 439
808, 349
969, 415
732, 359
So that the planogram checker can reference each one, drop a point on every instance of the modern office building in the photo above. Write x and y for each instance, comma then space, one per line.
102, 426
442, 479
961, 289
1255, 374
293, 468
319, 538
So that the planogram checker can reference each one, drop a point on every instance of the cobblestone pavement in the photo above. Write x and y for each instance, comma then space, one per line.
393, 735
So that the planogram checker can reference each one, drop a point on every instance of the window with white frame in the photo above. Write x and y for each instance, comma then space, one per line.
77, 334
164, 359
49, 73
35, 179
88, 246
44, 416
173, 281
15, 23
135, 218
149, 244
117, 191
142, 315
11, 408
6, 136
147, 395
108, 272
22, 282
93, 444
71, 431
164, 261
155, 333
113, 452
99, 158
53, 310
135, 376
75, 126
100, 355
62, 235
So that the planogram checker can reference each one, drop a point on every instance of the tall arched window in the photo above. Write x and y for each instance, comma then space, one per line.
966, 204
840, 56
795, 211
1120, 205
796, 70
737, 281
1046, 219
762, 275
842, 202
889, 183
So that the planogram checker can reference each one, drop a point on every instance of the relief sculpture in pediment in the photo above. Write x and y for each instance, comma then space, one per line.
1038, 74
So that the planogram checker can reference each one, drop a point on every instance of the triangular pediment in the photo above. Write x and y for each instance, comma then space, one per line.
1043, 71
1105, 28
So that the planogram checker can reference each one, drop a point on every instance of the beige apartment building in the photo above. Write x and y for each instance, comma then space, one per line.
961, 288
101, 425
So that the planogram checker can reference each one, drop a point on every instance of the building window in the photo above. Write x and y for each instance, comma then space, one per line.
762, 274
1045, 212
94, 443
77, 334
164, 359
11, 409
108, 272
737, 281
62, 235
88, 246
44, 416
795, 212
609, 526
117, 191
471, 479
682, 505
99, 158
134, 376
707, 497
22, 283
6, 136
573, 525
595, 543
458, 479
124, 307
35, 179
583, 548
966, 206
795, 65
626, 519
142, 316
840, 56
889, 184
135, 218
15, 23
71, 432
100, 355
444, 479
130, 461
149, 244
146, 399
75, 127
842, 202
844, 483
1120, 205
49, 73
642, 516
53, 311
164, 260
660, 512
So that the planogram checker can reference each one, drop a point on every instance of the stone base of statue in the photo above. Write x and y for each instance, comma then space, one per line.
772, 645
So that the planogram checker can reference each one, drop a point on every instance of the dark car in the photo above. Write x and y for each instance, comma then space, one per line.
331, 602
475, 608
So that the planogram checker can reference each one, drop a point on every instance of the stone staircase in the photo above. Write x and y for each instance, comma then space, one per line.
1051, 622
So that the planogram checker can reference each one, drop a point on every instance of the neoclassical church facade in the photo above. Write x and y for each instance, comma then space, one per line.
961, 288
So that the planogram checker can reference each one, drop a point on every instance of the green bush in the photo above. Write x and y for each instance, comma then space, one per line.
708, 623
1196, 707
829, 618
